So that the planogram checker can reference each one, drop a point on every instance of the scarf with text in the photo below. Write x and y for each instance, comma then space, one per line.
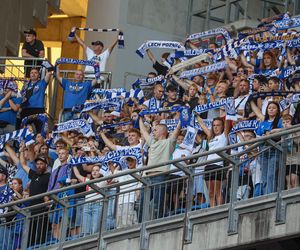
42, 118
141, 51
95, 65
212, 32
80, 125
241, 126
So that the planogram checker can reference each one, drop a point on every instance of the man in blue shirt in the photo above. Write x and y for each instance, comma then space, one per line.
33, 93
10, 105
75, 93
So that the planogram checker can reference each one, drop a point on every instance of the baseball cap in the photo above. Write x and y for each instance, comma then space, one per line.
3, 170
30, 31
41, 158
98, 43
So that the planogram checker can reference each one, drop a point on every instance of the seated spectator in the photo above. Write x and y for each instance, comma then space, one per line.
32, 48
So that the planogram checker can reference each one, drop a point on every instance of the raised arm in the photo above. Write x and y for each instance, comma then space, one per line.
112, 46
78, 175
12, 154
176, 132
78, 39
203, 126
257, 111
58, 77
144, 130
151, 56
48, 76
22, 159
108, 142
180, 82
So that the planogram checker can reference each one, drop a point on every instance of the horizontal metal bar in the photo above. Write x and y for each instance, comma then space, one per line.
291, 130
203, 11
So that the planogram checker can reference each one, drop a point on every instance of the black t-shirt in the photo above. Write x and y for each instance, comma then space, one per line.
34, 49
160, 69
73, 176
38, 184
168, 104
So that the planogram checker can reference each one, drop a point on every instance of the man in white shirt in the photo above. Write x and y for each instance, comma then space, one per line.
241, 100
96, 53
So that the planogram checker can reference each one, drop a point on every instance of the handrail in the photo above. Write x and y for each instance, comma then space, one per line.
293, 129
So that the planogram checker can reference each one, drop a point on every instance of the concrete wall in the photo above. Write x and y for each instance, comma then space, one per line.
140, 20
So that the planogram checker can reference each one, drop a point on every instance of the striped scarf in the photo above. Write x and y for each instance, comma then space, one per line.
18, 135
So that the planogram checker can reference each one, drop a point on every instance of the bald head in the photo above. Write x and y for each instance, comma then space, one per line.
160, 132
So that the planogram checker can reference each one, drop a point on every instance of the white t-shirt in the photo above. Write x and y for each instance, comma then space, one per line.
94, 196
177, 154
102, 59
218, 141
240, 103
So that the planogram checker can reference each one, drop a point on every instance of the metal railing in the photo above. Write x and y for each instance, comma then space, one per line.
129, 78
133, 198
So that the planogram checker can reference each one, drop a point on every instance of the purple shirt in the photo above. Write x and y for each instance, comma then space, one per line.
60, 172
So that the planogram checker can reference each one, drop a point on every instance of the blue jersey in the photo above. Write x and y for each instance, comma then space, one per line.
267, 126
10, 116
75, 93
37, 99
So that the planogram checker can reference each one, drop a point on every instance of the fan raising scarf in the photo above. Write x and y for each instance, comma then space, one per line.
114, 156
121, 43
286, 103
229, 107
141, 51
203, 70
147, 82
242, 126
212, 32
105, 104
63, 60
80, 125
42, 118
18, 135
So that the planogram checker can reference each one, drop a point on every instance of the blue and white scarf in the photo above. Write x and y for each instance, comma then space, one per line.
241, 126
105, 104
170, 123
189, 138
43, 118
63, 60
132, 94
8, 84
286, 103
191, 52
141, 51
287, 23
18, 135
254, 31
115, 125
184, 113
203, 70
106, 92
121, 42
80, 125
147, 82
212, 32
114, 156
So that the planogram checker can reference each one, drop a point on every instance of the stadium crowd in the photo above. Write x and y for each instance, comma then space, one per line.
208, 93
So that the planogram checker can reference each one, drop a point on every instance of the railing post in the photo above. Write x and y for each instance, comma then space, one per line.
144, 236
280, 204
25, 233
233, 215
103, 219
187, 231
64, 227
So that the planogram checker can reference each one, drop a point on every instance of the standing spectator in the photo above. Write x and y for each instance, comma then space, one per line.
172, 97
241, 100
75, 93
95, 53
9, 107
38, 185
157, 100
161, 147
32, 48
160, 67
33, 93
6, 196
216, 139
